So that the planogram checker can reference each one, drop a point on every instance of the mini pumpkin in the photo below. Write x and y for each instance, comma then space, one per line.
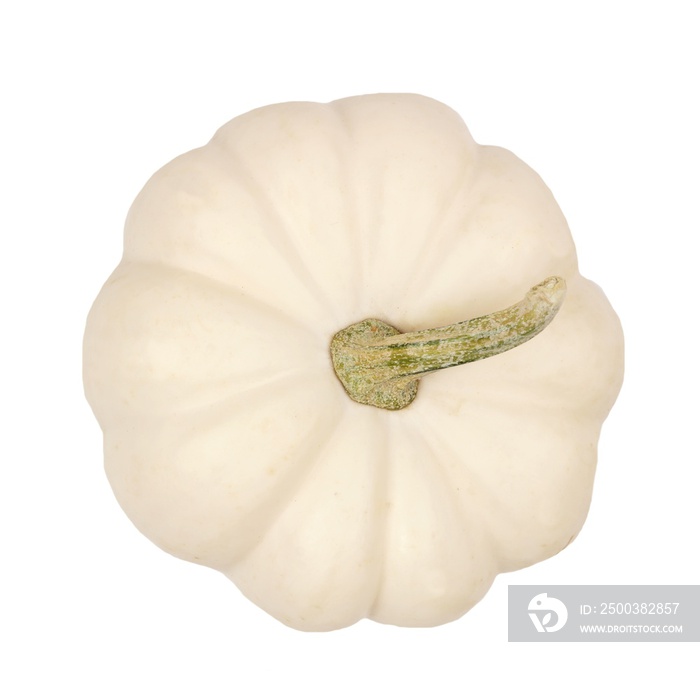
254, 363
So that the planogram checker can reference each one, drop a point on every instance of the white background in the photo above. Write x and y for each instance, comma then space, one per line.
598, 97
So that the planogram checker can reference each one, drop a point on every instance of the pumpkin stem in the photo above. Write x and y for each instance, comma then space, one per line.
380, 366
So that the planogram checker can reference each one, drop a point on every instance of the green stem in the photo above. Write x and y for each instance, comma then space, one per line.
380, 366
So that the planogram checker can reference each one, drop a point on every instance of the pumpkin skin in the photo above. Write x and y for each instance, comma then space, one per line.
228, 439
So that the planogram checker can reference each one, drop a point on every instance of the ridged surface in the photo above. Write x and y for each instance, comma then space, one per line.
229, 441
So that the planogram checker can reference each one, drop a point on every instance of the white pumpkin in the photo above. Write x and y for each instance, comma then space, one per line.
229, 440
